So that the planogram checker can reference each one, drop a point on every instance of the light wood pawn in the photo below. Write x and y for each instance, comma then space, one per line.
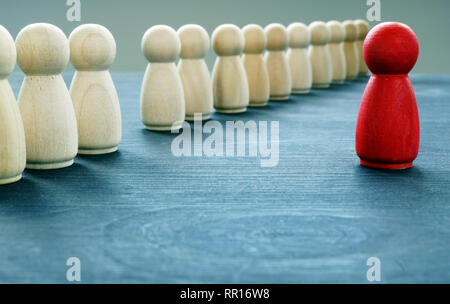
300, 66
230, 84
44, 101
12, 136
94, 96
363, 30
194, 73
319, 55
162, 95
277, 63
350, 49
335, 47
255, 67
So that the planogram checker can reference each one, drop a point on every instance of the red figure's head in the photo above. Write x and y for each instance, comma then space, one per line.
391, 48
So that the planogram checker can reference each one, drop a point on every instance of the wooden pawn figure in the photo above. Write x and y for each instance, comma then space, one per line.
277, 63
162, 95
94, 96
388, 125
194, 73
230, 84
350, 49
300, 66
319, 55
257, 74
363, 30
335, 47
44, 100
12, 136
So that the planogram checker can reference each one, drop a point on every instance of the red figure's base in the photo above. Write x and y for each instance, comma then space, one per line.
387, 166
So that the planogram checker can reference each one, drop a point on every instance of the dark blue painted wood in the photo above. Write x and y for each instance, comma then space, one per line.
142, 215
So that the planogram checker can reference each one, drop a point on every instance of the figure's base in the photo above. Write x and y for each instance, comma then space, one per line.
321, 85
50, 166
192, 117
300, 91
279, 97
258, 104
338, 81
10, 180
387, 166
163, 127
231, 111
97, 151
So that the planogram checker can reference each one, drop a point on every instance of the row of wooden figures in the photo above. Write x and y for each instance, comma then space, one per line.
50, 124
317, 55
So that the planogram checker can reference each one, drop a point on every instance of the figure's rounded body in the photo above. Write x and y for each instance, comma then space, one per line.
162, 106
12, 135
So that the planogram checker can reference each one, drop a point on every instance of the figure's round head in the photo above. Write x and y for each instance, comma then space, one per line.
194, 41
391, 48
161, 44
42, 49
228, 40
337, 31
255, 39
351, 30
277, 37
92, 48
298, 35
320, 34
363, 28
8, 53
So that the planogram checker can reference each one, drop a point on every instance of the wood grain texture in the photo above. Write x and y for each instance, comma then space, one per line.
143, 215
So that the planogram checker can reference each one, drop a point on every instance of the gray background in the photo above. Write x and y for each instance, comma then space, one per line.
128, 20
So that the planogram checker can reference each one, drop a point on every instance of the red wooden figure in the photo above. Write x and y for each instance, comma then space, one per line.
388, 129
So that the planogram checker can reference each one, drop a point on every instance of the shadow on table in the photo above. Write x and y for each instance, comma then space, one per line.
414, 174
405, 186
39, 187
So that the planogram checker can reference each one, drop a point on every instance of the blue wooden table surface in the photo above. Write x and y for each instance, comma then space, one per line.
142, 215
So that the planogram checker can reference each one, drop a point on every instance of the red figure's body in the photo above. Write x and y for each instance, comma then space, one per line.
388, 129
